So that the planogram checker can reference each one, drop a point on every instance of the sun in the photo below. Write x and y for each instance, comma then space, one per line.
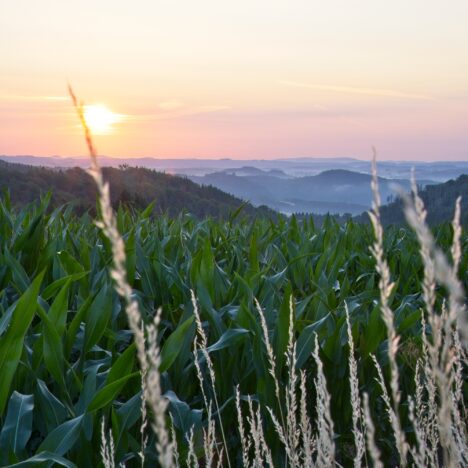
100, 119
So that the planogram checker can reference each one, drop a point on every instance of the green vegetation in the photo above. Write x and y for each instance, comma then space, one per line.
130, 186
439, 200
67, 357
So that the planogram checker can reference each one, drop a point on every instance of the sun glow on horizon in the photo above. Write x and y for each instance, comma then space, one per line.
100, 119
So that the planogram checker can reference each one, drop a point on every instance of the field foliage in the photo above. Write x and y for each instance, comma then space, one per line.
67, 358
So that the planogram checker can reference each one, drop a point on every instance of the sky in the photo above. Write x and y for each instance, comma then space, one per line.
239, 79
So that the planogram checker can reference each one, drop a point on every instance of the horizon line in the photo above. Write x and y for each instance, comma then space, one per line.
198, 158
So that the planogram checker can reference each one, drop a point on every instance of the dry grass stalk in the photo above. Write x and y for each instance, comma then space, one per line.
107, 447
459, 434
144, 417
219, 464
254, 434
283, 437
308, 441
108, 225
440, 366
290, 433
211, 372
459, 411
392, 415
271, 359
456, 287
292, 427
244, 439
148, 363
443, 272
459, 361
325, 433
196, 350
422, 420
208, 405
359, 443
175, 448
374, 451
419, 452
209, 441
262, 453
265, 449
430, 425
385, 287
457, 232
154, 395
192, 460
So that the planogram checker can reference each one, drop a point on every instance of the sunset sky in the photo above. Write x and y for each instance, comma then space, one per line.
239, 79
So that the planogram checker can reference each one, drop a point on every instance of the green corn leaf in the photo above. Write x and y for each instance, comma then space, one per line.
52, 347
74, 325
17, 428
51, 289
27, 240
305, 342
6, 319
59, 308
11, 344
107, 394
63, 437
282, 328
44, 459
173, 345
20, 278
70, 265
127, 416
146, 213
184, 417
374, 333
97, 317
51, 410
123, 365
130, 253
229, 338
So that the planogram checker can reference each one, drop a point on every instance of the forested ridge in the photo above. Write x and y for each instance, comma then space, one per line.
439, 201
137, 187
133, 187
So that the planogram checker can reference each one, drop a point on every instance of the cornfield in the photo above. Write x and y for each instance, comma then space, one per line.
67, 358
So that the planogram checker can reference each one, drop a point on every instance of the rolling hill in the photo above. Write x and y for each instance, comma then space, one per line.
136, 187
333, 191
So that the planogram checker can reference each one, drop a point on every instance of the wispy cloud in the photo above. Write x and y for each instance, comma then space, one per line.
20, 98
174, 112
391, 93
165, 110
173, 104
55, 98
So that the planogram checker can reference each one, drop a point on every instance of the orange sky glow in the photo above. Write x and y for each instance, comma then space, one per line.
243, 79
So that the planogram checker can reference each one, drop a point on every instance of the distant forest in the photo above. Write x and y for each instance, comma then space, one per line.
129, 186
439, 201
137, 187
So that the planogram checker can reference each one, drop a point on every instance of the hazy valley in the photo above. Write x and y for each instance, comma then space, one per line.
297, 185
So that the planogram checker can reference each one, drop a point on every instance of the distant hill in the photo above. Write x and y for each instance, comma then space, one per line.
439, 200
334, 191
438, 172
136, 187
246, 171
